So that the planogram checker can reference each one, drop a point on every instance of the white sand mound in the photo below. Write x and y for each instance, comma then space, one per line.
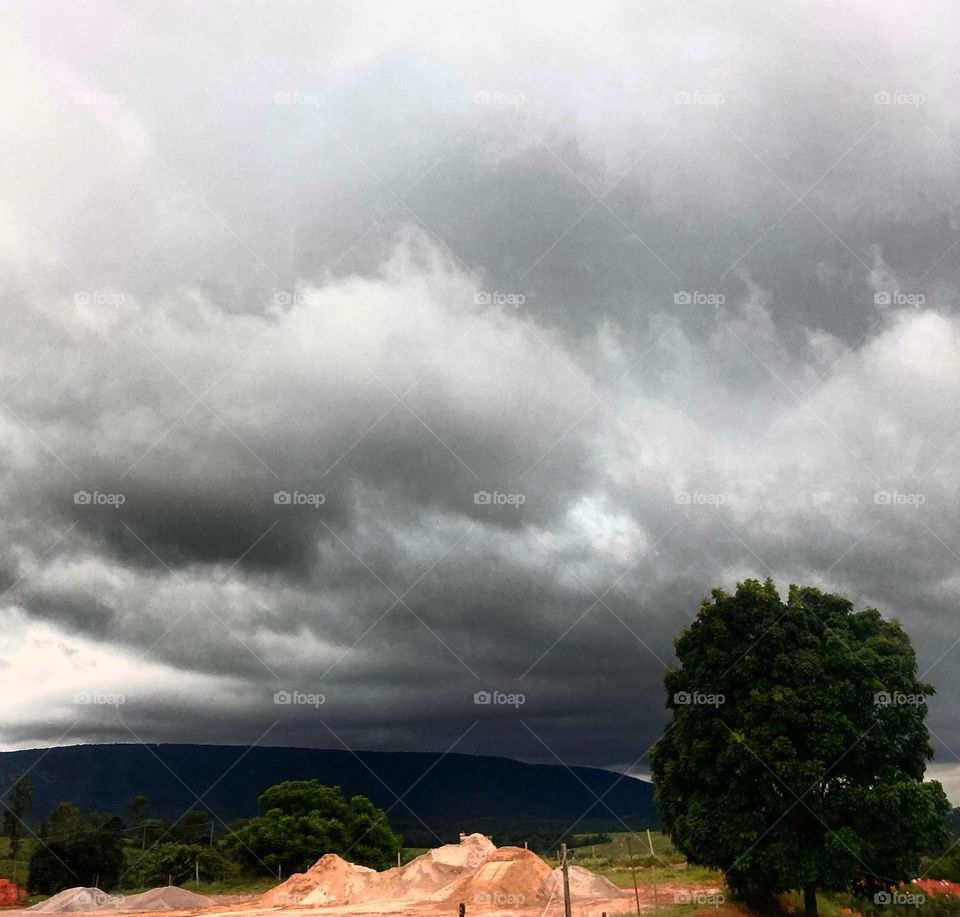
583, 884
88, 900
71, 900
165, 898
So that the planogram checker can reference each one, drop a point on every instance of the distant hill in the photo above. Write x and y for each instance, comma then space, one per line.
457, 793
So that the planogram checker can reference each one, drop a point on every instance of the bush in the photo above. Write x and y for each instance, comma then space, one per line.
157, 864
91, 857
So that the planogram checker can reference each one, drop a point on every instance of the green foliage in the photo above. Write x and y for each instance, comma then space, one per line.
785, 772
15, 812
76, 849
151, 867
302, 820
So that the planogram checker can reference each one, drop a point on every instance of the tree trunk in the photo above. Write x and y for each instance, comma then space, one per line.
810, 900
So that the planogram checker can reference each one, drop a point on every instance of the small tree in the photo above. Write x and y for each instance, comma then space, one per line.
76, 849
15, 811
302, 820
796, 754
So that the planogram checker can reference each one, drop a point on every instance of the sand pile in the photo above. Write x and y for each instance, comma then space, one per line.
511, 877
331, 880
71, 900
165, 898
86, 900
583, 884
430, 875
473, 871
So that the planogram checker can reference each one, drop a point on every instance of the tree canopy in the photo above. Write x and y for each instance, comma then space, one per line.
302, 820
796, 752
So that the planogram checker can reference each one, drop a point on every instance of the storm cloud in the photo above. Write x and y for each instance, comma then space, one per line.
397, 355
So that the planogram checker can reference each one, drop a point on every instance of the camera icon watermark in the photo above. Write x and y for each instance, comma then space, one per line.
898, 699
495, 97
99, 699
486, 498
98, 298
96, 498
698, 699
498, 298
710, 99
899, 299
910, 899
298, 97
296, 498
299, 699
106, 100
896, 498
284, 298
698, 298
696, 498
698, 898
884, 97
499, 699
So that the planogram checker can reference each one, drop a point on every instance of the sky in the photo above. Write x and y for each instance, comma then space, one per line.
357, 359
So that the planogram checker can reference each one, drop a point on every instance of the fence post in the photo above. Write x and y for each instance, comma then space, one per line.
567, 907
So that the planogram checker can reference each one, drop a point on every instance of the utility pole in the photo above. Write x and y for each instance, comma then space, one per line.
633, 872
656, 901
564, 866
198, 870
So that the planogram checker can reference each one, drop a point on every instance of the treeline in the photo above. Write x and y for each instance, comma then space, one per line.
299, 821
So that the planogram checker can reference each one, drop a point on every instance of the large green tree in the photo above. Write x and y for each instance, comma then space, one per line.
15, 812
302, 820
796, 753
76, 849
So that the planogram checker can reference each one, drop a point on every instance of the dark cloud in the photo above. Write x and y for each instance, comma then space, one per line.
675, 287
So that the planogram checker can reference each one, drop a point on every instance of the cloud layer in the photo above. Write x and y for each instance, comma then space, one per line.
675, 287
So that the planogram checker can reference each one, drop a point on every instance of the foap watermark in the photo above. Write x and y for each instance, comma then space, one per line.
107, 100
86, 498
499, 699
899, 98
899, 299
896, 498
911, 899
498, 298
699, 98
99, 699
497, 97
98, 298
296, 498
898, 699
501, 899
700, 899
299, 699
486, 498
298, 97
695, 498
698, 699
698, 298
96, 899
284, 298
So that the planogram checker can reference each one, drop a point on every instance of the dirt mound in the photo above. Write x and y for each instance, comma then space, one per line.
583, 885
510, 877
431, 874
76, 899
165, 898
473, 871
331, 880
